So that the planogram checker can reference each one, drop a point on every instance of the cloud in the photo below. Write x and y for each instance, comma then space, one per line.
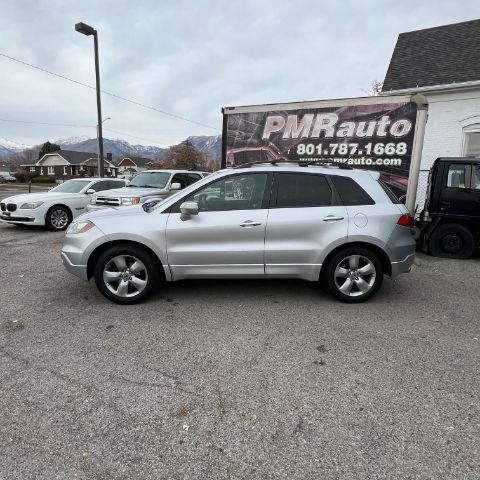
193, 57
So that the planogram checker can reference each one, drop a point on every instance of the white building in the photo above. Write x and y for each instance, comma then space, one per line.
443, 64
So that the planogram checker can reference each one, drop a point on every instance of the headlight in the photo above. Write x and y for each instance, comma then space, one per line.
80, 227
130, 201
93, 200
31, 205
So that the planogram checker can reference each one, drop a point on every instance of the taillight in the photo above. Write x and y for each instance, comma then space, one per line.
405, 221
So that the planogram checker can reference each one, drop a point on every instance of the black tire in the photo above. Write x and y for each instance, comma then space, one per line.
451, 240
54, 219
151, 276
340, 259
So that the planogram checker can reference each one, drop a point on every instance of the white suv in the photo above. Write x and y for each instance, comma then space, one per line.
147, 185
343, 227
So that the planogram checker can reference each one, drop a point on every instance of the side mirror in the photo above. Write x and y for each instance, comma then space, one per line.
188, 209
90, 191
176, 186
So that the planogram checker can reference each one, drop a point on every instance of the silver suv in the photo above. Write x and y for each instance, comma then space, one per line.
341, 227
147, 185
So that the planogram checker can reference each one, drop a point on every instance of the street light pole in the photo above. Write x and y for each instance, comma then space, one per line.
88, 30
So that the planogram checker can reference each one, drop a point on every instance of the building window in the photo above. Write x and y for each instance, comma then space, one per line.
32, 169
51, 171
65, 170
41, 170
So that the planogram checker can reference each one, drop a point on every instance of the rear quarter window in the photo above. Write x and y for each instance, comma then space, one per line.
350, 192
389, 193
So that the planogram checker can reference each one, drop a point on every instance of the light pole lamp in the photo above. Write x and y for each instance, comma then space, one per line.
88, 30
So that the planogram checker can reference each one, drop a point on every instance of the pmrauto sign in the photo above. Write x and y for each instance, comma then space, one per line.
376, 136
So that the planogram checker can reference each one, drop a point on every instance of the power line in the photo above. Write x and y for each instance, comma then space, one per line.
114, 95
47, 123
29, 122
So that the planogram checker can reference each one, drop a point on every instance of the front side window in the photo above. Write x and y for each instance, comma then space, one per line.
185, 179
476, 177
100, 186
239, 192
113, 184
71, 186
472, 143
456, 176
150, 180
303, 190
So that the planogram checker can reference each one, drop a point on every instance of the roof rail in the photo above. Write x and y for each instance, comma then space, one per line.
322, 163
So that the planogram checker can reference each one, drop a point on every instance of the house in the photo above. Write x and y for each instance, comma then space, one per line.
132, 165
443, 64
66, 164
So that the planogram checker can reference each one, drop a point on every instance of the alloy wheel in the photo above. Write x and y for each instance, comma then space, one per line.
59, 219
355, 275
125, 276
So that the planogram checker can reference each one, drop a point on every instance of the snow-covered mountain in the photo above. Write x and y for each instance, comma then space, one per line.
117, 147
210, 146
9, 147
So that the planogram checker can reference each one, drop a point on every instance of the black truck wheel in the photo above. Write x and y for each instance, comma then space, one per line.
451, 240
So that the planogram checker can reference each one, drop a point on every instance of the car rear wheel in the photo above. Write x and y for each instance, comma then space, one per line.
126, 274
58, 218
451, 241
354, 274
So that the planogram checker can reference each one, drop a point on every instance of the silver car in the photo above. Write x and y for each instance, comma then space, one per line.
341, 227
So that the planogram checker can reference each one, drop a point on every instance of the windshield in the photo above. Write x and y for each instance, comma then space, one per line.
71, 186
150, 179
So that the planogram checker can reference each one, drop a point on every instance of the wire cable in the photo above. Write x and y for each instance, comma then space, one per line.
114, 95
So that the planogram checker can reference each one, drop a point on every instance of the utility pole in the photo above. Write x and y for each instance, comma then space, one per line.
88, 30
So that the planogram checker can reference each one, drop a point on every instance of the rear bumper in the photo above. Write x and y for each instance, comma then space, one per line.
403, 266
77, 270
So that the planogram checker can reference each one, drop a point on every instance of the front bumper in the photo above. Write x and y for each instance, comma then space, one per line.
94, 208
24, 216
77, 249
77, 270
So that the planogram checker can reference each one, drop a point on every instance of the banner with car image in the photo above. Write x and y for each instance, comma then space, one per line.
376, 133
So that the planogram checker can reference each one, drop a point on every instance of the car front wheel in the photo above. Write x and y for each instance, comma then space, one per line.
354, 274
58, 218
126, 274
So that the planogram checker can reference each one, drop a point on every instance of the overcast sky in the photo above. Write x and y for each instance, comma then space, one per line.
192, 57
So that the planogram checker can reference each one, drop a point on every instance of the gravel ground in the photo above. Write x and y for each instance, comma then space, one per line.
236, 379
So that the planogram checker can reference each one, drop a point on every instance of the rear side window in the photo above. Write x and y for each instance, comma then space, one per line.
303, 190
350, 192
389, 193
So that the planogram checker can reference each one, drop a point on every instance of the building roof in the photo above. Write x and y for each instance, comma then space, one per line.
76, 158
138, 161
73, 157
435, 56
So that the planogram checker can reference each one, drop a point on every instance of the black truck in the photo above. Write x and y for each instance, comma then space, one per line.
449, 225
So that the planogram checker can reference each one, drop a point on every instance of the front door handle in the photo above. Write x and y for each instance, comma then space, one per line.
332, 218
250, 223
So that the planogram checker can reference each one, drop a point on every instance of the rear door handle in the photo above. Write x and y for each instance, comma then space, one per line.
250, 223
332, 218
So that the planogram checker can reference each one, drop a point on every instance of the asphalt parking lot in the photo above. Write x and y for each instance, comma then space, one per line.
236, 379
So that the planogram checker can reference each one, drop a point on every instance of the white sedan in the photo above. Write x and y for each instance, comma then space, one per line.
56, 208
